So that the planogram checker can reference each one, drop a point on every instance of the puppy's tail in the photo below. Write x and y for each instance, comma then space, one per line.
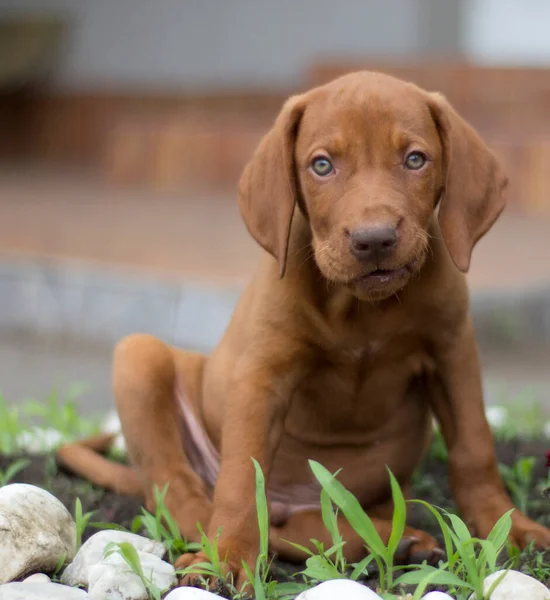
85, 459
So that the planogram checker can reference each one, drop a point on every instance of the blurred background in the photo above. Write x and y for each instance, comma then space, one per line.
124, 126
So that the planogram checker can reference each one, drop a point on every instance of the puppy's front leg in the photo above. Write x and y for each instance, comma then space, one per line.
255, 411
475, 480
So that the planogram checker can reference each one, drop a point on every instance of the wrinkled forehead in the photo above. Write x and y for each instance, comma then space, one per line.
381, 112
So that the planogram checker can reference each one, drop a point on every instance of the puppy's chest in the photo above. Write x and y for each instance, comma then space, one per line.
365, 362
365, 343
358, 353
365, 380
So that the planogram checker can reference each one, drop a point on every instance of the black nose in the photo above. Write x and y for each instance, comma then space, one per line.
368, 243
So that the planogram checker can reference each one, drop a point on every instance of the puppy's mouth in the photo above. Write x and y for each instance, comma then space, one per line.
382, 277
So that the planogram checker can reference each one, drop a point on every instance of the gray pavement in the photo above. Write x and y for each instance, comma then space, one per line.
31, 367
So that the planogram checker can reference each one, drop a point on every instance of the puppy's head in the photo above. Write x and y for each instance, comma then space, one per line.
368, 157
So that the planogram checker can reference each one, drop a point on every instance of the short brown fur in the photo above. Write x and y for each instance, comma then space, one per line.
341, 360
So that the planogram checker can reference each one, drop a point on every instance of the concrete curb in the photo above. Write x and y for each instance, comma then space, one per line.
102, 304
513, 320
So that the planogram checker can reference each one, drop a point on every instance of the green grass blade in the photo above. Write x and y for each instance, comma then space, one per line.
261, 508
59, 565
487, 557
330, 518
399, 515
113, 526
13, 469
439, 577
171, 523
495, 584
131, 556
320, 568
466, 553
459, 527
350, 507
289, 590
447, 538
259, 590
433, 575
78, 521
254, 580
335, 549
501, 530
361, 568
300, 547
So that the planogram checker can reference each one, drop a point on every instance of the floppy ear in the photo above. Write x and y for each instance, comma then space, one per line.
474, 192
268, 188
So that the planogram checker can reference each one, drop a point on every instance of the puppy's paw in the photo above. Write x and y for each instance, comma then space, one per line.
526, 531
192, 562
416, 547
231, 571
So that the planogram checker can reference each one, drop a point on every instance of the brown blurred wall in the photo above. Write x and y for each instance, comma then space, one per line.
172, 140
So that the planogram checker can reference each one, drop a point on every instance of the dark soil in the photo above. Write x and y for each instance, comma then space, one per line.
108, 506
431, 484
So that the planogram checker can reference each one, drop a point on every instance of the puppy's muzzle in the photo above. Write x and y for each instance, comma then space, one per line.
373, 243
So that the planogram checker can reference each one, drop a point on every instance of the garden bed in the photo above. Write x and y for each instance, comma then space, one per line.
526, 477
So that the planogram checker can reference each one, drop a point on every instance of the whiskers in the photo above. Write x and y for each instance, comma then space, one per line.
324, 255
320, 253
423, 246
306, 253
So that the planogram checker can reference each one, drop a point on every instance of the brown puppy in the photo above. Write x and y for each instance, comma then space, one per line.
345, 358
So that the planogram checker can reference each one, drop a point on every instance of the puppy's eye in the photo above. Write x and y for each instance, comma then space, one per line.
415, 161
322, 166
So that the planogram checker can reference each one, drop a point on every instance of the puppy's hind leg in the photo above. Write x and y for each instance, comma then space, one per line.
146, 372
84, 459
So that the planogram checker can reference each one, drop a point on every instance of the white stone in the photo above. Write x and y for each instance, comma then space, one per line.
40, 591
36, 531
113, 579
339, 588
93, 549
497, 416
514, 586
190, 593
119, 445
111, 423
37, 578
39, 440
437, 596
